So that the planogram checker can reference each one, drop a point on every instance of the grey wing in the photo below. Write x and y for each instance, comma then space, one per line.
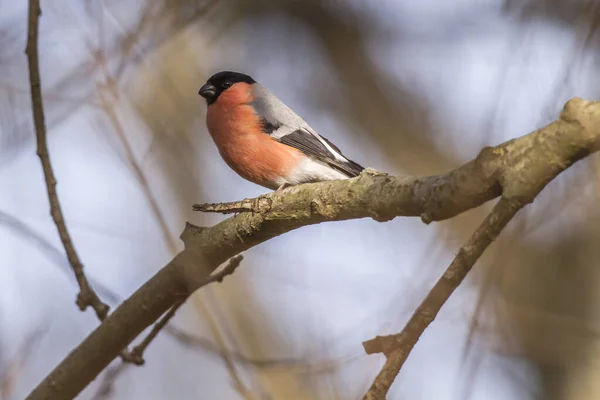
280, 120
284, 125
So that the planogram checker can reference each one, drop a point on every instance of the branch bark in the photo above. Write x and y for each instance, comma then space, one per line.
518, 170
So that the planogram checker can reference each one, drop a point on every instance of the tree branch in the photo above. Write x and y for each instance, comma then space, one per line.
518, 170
87, 296
397, 347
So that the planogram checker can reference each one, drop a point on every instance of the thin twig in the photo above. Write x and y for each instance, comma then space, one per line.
247, 205
136, 356
397, 347
87, 296
229, 269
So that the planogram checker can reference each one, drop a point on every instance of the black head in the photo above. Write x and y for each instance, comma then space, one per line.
220, 82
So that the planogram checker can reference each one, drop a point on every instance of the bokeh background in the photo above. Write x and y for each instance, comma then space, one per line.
410, 87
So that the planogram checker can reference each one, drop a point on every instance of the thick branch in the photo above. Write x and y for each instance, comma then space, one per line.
517, 169
87, 296
397, 347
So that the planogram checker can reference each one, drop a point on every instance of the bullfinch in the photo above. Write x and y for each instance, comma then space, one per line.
263, 140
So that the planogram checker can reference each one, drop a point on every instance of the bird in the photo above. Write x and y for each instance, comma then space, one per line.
263, 140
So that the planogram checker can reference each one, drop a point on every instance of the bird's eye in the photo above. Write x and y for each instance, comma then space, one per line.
226, 84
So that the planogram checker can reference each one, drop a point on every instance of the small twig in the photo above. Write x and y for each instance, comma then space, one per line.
229, 269
87, 296
224, 208
136, 356
397, 347
256, 205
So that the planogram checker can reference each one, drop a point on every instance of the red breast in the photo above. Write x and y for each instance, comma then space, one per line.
236, 130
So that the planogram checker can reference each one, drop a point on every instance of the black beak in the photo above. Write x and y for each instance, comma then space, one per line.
207, 91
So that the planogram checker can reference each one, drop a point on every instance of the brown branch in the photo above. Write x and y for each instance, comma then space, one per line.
234, 207
87, 296
136, 356
397, 347
518, 170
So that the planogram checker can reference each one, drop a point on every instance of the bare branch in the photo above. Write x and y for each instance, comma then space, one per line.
87, 296
518, 170
397, 347
136, 356
227, 270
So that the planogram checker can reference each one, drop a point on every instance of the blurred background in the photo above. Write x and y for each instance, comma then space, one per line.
410, 87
